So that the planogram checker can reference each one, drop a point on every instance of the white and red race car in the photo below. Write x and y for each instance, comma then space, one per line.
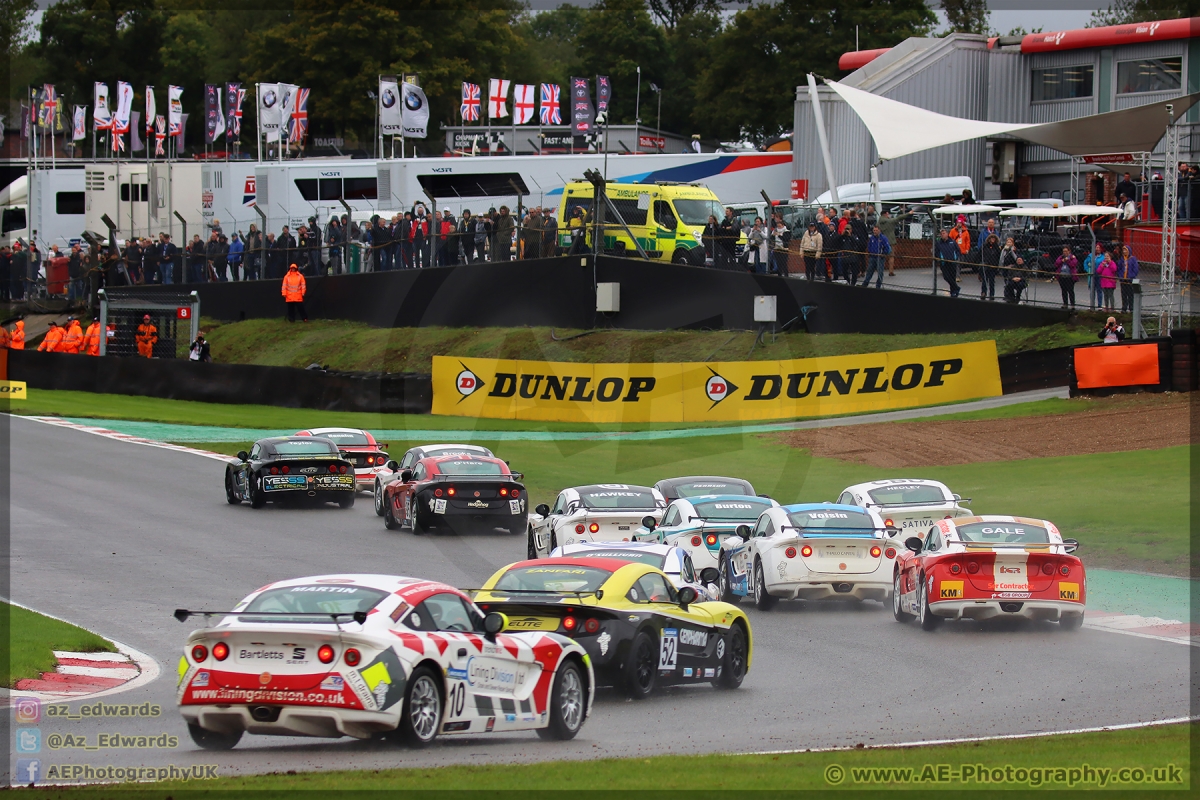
409, 461
910, 505
361, 449
362, 655
987, 567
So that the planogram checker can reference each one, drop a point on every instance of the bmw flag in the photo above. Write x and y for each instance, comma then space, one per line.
414, 112
389, 107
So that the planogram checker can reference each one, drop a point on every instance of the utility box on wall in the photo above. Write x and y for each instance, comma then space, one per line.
764, 308
608, 297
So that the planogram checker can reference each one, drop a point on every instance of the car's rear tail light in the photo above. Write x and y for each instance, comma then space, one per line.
285, 469
890, 552
695, 541
503, 492
570, 624
342, 469
516, 492
437, 492
333, 467
972, 567
806, 551
592, 625
325, 654
876, 551
955, 569
1048, 568
887, 523
450, 491
220, 651
711, 539
594, 527
199, 653
579, 528
1064, 570
352, 657
790, 552
274, 470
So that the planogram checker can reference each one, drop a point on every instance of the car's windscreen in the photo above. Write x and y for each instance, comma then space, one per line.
301, 447
831, 520
744, 510
353, 438
453, 451
697, 212
905, 493
639, 556
626, 499
1003, 533
315, 599
469, 468
698, 488
551, 579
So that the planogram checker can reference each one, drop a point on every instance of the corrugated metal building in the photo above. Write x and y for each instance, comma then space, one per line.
1000, 80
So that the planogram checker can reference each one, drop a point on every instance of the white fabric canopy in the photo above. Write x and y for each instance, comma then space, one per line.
900, 129
976, 209
1062, 211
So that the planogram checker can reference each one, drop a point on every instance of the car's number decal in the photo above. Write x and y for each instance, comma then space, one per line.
668, 654
457, 701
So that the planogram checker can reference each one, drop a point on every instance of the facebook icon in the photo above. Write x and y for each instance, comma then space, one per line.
28, 771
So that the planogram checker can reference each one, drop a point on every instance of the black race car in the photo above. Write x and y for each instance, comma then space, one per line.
698, 485
290, 468
456, 493
415, 454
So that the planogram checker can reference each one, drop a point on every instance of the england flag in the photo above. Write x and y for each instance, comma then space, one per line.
522, 103
497, 98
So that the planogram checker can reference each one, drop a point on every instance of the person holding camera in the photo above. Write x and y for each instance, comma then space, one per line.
1112, 332
199, 349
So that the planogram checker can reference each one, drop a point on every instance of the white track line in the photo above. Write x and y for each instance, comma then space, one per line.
124, 437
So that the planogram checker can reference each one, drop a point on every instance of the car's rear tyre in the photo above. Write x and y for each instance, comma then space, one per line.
421, 716
897, 609
347, 500
389, 519
929, 620
680, 257
257, 500
762, 599
211, 740
568, 703
414, 521
379, 499
725, 582
1071, 623
733, 666
641, 667
231, 496
531, 552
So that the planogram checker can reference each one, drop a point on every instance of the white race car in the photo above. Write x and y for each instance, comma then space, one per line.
674, 561
700, 524
361, 449
809, 551
603, 512
362, 655
392, 469
910, 505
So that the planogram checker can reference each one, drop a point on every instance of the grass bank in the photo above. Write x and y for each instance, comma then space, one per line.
32, 639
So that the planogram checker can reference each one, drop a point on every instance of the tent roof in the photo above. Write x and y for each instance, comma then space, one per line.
972, 209
900, 129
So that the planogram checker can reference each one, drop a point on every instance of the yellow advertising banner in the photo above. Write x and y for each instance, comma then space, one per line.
13, 390
730, 391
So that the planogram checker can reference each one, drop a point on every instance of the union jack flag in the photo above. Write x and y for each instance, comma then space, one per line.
550, 111
469, 110
49, 105
160, 134
299, 124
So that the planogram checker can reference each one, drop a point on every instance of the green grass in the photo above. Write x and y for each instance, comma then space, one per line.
715, 775
33, 637
356, 346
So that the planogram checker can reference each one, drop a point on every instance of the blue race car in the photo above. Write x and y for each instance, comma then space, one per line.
700, 524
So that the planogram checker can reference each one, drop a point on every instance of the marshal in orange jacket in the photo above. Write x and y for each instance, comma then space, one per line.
72, 340
294, 286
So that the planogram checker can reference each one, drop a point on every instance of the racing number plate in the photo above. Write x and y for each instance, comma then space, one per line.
668, 656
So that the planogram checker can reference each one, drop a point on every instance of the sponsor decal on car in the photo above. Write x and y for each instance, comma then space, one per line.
602, 641
201, 680
275, 483
384, 679
1009, 576
1068, 591
950, 590
494, 675
533, 624
668, 654
709, 672
693, 638
687, 672
457, 674
1010, 595
333, 683
477, 504
514, 506
438, 506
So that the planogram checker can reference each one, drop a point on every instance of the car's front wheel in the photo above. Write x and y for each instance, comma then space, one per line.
211, 740
641, 667
762, 599
379, 498
421, 716
568, 703
725, 581
733, 666
531, 551
897, 608
231, 495
929, 620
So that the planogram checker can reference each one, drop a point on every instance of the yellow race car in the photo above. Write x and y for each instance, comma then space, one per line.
639, 631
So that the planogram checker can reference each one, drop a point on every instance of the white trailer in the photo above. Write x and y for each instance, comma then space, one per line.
143, 199
46, 205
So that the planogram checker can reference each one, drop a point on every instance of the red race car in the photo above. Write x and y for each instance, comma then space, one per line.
988, 567
361, 449
456, 493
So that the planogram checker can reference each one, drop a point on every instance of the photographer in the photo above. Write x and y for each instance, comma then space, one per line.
1112, 332
199, 349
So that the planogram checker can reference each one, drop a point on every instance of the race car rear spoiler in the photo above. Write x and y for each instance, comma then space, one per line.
921, 503
1070, 545
360, 617
512, 476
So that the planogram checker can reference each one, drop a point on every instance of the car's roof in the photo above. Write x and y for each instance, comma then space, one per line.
647, 547
595, 488
466, 448
388, 583
607, 564
958, 521
823, 507
270, 440
698, 478
724, 498
319, 431
869, 485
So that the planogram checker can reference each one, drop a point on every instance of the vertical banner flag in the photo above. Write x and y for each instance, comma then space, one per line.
550, 114
124, 107
287, 104
49, 105
24, 121
175, 111
603, 96
298, 127
214, 118
100, 113
160, 135
414, 112
80, 124
269, 117
522, 103
234, 95
497, 98
135, 141
582, 114
151, 111
469, 110
390, 116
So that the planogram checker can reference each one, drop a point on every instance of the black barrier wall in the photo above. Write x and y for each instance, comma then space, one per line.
558, 292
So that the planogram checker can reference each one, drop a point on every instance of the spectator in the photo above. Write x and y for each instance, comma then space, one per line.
336, 240
1112, 332
167, 253
710, 238
887, 226
253, 253
35, 265
856, 229
75, 274
271, 257
196, 260
19, 269
878, 249
962, 236
481, 236
549, 233
290, 250
149, 260
91, 339
727, 239
990, 255
448, 239
1126, 217
293, 291
968, 198
946, 253
199, 350
133, 261
53, 339
1095, 294
827, 226
504, 234
1126, 188
234, 256
418, 236
811, 244
757, 243
5, 274
309, 238
405, 231
780, 238
215, 227
1067, 267
1127, 272
1014, 285
1107, 274
533, 233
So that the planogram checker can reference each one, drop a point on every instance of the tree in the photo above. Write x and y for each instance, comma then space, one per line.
671, 12
966, 16
550, 44
1126, 11
617, 37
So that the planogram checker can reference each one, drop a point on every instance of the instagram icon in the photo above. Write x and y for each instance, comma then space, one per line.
28, 710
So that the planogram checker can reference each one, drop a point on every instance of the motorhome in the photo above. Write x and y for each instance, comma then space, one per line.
46, 205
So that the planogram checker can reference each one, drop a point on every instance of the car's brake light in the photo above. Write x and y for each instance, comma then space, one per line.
220, 651
342, 469
285, 469
352, 657
516, 492
711, 539
274, 470
806, 551
947, 517
890, 552
790, 552
972, 567
333, 467
592, 625
579, 528
887, 523
450, 491
955, 569
594, 527
569, 624
695, 541
876, 551
503, 492
325, 654
1064, 570
199, 653
437, 492
1048, 568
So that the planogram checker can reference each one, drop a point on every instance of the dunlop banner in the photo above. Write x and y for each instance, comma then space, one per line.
730, 391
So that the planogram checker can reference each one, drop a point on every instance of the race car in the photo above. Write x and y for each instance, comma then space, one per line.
906, 504
603, 512
638, 630
361, 449
364, 655
990, 566
673, 560
392, 469
456, 493
700, 524
290, 468
675, 488
809, 551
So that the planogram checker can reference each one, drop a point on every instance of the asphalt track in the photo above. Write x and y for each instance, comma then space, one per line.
114, 536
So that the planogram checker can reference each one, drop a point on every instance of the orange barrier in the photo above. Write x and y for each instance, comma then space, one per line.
1112, 365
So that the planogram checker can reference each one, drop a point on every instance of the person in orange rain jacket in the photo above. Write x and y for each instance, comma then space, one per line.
17, 340
5, 338
91, 339
294, 287
73, 339
53, 339
147, 336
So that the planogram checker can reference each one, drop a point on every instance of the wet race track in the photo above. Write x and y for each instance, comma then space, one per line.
114, 536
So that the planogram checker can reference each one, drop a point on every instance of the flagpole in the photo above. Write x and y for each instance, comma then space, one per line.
637, 113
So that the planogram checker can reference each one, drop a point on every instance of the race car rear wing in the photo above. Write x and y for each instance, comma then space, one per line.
1070, 545
512, 476
921, 503
842, 533
360, 617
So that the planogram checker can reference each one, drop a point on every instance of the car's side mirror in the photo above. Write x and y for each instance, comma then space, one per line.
913, 543
393, 466
494, 623
542, 510
243, 455
406, 475
648, 523
709, 575
687, 596
743, 531
1070, 545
